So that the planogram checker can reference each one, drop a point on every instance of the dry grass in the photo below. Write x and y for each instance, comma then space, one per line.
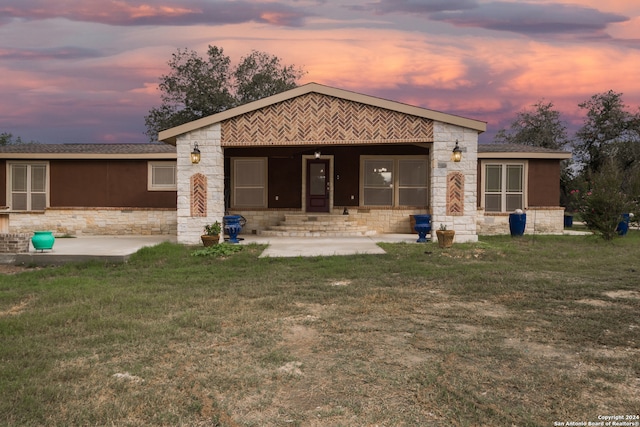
499, 333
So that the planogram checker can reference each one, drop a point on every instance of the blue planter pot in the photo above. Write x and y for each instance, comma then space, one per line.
43, 240
232, 227
422, 227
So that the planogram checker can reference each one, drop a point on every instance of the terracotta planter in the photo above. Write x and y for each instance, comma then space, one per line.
445, 238
210, 239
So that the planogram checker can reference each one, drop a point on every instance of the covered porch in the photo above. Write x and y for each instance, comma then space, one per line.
316, 150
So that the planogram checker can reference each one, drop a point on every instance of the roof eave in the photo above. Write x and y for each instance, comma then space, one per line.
88, 156
524, 155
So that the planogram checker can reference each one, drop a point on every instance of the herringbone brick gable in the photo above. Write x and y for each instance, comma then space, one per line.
315, 118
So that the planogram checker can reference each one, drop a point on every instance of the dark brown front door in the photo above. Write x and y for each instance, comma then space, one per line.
317, 185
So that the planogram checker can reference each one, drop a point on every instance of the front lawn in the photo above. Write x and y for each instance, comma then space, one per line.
526, 331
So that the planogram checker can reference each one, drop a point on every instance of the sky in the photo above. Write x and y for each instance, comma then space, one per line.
84, 71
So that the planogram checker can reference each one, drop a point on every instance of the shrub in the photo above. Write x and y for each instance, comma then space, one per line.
602, 205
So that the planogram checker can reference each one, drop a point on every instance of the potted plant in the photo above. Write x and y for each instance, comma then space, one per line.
211, 234
445, 237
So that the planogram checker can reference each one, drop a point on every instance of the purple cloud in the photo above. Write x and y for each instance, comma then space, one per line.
156, 12
530, 18
419, 6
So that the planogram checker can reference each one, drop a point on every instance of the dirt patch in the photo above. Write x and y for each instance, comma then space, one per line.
12, 269
623, 294
595, 302
18, 308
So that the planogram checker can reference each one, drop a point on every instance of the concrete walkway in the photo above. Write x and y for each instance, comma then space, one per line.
77, 249
281, 247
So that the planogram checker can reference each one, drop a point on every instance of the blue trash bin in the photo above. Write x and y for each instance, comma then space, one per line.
517, 223
568, 221
623, 226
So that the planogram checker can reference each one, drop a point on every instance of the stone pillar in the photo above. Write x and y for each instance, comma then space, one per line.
452, 206
198, 205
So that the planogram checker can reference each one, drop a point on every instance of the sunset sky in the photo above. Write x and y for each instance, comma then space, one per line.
78, 71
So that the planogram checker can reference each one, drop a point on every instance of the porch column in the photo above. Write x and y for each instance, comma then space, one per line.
200, 186
454, 185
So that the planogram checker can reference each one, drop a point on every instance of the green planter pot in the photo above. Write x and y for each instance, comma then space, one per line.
42, 240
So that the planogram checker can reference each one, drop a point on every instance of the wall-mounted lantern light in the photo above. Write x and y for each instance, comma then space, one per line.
195, 154
456, 155
317, 154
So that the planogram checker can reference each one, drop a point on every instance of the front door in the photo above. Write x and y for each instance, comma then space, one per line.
318, 185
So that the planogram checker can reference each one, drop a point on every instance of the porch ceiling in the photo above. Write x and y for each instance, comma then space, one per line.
318, 119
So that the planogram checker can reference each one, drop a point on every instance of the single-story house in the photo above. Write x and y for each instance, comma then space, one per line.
314, 159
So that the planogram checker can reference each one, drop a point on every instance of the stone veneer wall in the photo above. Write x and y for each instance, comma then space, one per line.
464, 223
97, 221
540, 220
13, 243
191, 219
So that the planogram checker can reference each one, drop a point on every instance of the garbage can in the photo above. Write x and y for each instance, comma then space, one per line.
517, 223
623, 226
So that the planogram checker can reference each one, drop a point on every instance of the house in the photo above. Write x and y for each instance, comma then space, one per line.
314, 155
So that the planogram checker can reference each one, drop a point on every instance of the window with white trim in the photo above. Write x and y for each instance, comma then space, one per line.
504, 185
249, 182
162, 176
28, 186
395, 180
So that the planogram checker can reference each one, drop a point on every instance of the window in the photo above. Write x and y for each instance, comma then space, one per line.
28, 185
504, 187
249, 182
395, 181
162, 176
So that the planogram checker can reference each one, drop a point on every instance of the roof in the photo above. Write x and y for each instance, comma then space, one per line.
89, 151
519, 151
170, 135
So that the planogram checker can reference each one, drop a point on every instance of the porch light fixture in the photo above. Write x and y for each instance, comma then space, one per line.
456, 155
317, 154
195, 154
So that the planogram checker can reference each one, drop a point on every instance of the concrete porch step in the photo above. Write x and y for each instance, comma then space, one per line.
317, 225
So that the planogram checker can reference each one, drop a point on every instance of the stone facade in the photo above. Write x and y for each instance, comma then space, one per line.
540, 220
96, 221
445, 136
192, 213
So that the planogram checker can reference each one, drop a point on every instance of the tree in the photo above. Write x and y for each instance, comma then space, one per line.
609, 131
7, 138
198, 87
540, 127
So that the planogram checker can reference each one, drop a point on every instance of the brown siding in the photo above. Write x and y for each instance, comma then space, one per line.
105, 183
544, 182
